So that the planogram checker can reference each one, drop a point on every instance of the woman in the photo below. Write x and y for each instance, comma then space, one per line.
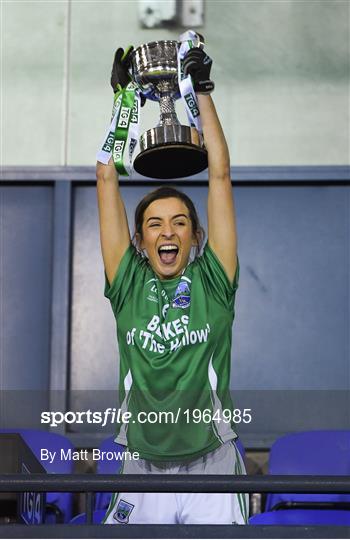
174, 322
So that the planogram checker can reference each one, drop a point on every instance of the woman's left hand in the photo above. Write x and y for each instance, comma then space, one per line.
198, 64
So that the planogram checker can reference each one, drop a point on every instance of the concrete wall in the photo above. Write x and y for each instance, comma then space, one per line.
281, 70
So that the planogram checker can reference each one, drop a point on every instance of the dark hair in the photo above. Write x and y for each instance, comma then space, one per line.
165, 192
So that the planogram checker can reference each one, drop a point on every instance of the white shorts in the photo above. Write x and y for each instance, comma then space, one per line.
183, 508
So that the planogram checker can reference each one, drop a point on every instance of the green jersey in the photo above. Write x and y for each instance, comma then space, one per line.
174, 341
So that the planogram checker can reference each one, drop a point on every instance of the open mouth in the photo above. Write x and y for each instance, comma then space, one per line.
168, 253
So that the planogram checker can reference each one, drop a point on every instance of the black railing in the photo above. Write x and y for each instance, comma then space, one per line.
92, 483
193, 483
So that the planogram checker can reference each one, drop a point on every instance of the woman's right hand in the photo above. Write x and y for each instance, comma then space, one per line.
120, 76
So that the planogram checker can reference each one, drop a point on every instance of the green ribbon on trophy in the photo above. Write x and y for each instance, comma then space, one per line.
126, 113
121, 137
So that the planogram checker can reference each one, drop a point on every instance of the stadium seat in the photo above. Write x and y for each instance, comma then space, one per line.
302, 517
310, 453
58, 505
96, 519
240, 448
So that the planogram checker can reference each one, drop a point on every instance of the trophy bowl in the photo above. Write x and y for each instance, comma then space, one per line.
169, 150
155, 62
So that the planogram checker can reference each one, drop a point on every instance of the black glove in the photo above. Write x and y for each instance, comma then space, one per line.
120, 76
198, 65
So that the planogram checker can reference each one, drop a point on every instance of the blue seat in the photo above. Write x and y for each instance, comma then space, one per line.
311, 453
59, 506
97, 518
240, 448
302, 517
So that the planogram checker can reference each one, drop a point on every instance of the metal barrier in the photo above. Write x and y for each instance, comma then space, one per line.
90, 484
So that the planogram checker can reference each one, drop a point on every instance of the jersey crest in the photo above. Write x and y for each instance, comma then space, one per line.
182, 297
123, 511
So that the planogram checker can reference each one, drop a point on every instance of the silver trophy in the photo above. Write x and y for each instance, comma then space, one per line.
170, 150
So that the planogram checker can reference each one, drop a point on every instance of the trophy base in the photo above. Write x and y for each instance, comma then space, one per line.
171, 161
171, 151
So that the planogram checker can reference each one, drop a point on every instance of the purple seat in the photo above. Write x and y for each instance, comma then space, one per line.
302, 517
310, 453
58, 505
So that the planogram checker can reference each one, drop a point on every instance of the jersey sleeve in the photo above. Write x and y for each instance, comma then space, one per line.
215, 279
128, 271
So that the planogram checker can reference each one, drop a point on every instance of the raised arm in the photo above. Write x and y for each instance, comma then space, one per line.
114, 229
222, 236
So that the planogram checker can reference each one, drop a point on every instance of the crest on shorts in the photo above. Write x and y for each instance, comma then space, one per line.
182, 297
123, 511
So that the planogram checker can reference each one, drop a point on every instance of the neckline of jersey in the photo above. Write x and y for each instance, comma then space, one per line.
173, 280
170, 281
